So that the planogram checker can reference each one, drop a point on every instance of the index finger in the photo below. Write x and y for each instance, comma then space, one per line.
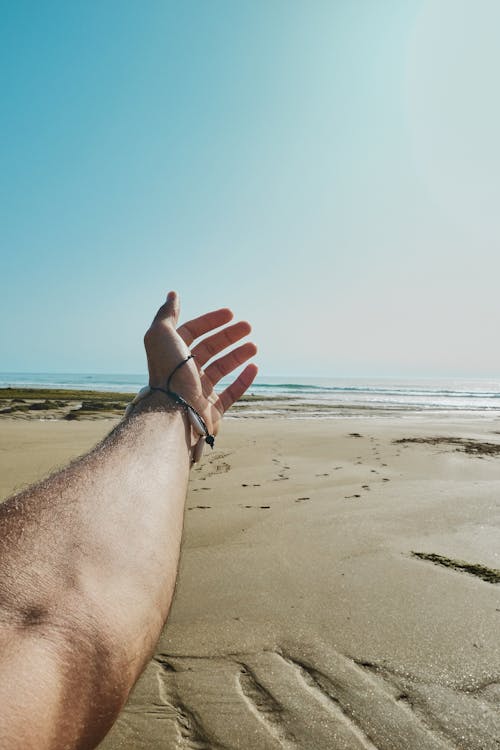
198, 326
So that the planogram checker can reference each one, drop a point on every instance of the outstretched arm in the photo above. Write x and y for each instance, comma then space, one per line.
88, 557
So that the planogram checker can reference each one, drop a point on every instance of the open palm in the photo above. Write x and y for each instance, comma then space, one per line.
167, 345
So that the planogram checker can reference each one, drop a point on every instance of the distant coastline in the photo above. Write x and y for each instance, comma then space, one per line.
106, 395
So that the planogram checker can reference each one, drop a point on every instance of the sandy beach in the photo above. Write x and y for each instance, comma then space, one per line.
338, 588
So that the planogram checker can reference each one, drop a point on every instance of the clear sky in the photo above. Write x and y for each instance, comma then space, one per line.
331, 170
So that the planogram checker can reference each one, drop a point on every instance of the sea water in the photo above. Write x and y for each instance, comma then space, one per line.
391, 394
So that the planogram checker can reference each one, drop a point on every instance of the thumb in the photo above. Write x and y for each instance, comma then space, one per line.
170, 309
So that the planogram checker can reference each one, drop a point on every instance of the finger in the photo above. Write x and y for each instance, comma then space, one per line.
170, 309
214, 344
198, 326
229, 362
238, 388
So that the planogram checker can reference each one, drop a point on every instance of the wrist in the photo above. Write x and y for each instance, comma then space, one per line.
148, 400
151, 400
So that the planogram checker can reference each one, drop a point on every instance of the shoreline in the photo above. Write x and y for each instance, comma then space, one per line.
68, 404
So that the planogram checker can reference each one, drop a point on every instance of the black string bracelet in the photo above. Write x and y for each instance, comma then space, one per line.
178, 367
195, 417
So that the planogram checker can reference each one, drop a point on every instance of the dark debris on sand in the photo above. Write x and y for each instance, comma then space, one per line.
490, 575
464, 445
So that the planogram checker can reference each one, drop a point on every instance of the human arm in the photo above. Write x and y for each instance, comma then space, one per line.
88, 558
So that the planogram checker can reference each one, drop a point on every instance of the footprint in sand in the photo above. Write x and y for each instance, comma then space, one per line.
365, 487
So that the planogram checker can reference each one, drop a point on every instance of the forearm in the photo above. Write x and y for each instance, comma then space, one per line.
88, 558
90, 555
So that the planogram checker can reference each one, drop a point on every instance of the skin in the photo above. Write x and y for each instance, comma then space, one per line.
89, 556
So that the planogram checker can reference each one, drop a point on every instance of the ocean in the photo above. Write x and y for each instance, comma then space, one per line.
380, 394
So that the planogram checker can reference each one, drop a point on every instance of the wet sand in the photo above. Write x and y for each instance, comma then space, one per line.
337, 589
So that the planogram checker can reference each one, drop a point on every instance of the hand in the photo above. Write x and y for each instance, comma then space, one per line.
167, 345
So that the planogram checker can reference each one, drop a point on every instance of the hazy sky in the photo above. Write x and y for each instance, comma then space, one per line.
331, 170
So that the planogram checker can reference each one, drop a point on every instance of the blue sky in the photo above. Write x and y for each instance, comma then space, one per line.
328, 169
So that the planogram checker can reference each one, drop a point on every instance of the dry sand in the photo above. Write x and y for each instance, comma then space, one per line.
301, 617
